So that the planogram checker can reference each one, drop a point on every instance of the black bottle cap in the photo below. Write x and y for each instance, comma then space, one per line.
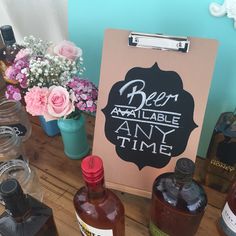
8, 35
185, 167
10, 188
13, 197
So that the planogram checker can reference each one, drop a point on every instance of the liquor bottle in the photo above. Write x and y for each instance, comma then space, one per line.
10, 50
2, 64
221, 167
178, 202
24, 215
99, 211
227, 221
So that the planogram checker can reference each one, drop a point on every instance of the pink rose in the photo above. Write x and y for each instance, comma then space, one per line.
36, 101
67, 50
59, 103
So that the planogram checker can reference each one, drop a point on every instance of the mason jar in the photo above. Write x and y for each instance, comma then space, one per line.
14, 163
25, 174
10, 145
13, 114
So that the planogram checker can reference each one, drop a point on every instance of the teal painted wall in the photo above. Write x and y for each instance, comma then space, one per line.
89, 18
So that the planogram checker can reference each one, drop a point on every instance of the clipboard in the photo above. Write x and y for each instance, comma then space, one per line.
153, 92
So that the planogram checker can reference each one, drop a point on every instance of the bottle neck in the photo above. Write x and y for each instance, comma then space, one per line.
96, 190
182, 180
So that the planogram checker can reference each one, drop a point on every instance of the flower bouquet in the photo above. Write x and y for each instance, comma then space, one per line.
47, 78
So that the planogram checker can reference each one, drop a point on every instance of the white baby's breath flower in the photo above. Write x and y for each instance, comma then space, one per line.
40, 71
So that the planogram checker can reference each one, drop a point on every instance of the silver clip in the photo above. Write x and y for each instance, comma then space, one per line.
158, 41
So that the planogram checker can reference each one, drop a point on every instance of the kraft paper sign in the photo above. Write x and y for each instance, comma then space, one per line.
150, 109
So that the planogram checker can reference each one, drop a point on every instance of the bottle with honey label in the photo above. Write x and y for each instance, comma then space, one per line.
178, 202
98, 210
221, 161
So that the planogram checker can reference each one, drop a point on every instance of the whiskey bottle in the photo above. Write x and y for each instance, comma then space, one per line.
99, 211
2, 64
221, 162
178, 202
24, 215
9, 52
11, 48
227, 221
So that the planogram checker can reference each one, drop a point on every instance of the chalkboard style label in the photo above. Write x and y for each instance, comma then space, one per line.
149, 116
19, 129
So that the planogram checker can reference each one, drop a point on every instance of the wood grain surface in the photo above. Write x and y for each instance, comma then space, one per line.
60, 178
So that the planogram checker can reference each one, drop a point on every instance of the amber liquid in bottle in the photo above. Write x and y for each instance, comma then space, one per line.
11, 48
221, 167
99, 211
24, 215
178, 203
227, 222
8, 53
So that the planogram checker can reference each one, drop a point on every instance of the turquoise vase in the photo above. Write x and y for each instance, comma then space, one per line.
74, 137
50, 127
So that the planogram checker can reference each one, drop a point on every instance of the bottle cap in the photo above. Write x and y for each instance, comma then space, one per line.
92, 169
13, 197
185, 167
10, 188
8, 35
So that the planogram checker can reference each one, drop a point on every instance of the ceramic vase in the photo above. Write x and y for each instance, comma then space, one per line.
50, 127
74, 137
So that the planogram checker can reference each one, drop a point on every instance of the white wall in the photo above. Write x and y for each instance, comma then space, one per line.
46, 19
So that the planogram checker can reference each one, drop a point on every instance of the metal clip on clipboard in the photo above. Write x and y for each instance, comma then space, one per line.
158, 41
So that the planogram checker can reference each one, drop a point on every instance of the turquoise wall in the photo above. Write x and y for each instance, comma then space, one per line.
89, 18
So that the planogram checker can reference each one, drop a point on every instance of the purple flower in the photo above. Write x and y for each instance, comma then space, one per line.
24, 82
23, 53
13, 93
11, 73
19, 77
19, 64
86, 94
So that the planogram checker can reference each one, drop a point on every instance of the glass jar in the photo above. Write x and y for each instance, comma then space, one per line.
13, 114
221, 161
10, 145
25, 175
14, 163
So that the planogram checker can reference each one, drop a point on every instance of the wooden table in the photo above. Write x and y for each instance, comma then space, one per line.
60, 178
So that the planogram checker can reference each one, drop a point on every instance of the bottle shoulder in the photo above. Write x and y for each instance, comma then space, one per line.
39, 214
189, 197
108, 207
8, 226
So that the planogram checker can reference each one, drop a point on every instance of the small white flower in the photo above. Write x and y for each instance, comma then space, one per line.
40, 71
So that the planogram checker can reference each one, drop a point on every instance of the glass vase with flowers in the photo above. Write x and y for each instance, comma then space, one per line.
50, 84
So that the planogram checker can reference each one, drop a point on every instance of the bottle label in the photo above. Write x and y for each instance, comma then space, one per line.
87, 230
229, 218
155, 231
